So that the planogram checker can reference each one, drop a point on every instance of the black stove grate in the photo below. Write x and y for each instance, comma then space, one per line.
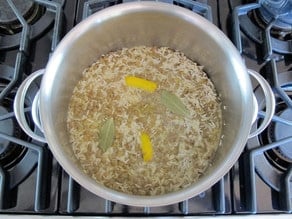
285, 199
246, 18
263, 169
93, 6
23, 39
29, 185
271, 73
76, 200
50, 14
21, 55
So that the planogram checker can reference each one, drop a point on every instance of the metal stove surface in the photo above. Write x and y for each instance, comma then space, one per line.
46, 189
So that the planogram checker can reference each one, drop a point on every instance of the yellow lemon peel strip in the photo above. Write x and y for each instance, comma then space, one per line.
146, 147
140, 83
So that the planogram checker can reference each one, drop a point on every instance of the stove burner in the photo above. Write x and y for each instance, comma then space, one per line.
283, 131
280, 10
17, 160
10, 154
40, 16
280, 157
282, 34
258, 22
273, 164
9, 24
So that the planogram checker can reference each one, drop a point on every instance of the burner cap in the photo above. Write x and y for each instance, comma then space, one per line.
284, 131
279, 10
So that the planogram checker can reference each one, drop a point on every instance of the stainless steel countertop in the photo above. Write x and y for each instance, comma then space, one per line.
261, 216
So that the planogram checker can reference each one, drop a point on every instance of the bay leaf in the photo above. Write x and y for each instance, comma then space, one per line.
107, 134
173, 103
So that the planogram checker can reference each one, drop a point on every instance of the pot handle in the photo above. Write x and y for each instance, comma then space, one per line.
18, 106
270, 103
23, 88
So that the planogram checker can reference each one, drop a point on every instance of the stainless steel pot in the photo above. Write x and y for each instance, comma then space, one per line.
146, 23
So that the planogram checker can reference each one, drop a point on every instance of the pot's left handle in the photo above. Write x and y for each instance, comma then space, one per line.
18, 106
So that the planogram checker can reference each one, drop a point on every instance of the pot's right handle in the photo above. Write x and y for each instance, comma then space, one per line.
270, 103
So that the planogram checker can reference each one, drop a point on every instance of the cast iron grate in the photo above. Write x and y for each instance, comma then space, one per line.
245, 18
268, 154
38, 164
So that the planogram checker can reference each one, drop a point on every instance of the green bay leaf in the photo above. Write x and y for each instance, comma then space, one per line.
173, 103
107, 134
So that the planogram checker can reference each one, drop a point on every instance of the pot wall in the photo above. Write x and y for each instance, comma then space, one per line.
149, 24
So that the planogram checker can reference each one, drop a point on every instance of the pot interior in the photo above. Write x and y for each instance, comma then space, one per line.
148, 24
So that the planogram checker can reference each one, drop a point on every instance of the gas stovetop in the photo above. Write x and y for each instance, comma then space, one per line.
32, 182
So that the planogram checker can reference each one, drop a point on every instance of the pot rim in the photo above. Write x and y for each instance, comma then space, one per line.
205, 182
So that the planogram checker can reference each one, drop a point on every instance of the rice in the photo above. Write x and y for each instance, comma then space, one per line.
183, 147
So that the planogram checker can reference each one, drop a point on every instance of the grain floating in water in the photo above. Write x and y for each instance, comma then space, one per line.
182, 144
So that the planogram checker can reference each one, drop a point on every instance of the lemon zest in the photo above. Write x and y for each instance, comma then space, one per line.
140, 83
146, 147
